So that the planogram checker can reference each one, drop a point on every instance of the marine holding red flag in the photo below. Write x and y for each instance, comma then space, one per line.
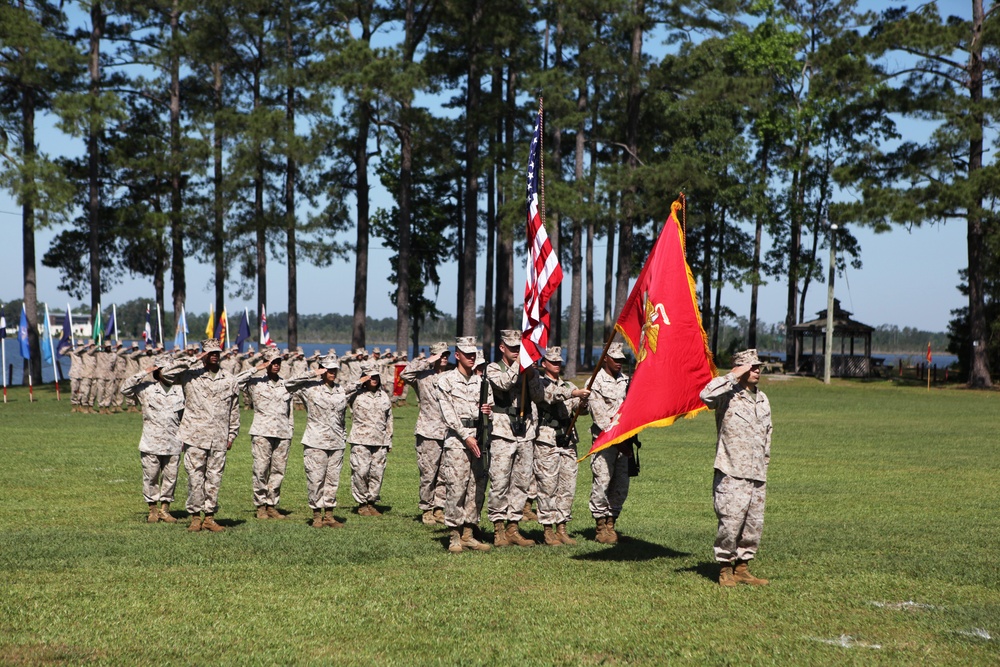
662, 324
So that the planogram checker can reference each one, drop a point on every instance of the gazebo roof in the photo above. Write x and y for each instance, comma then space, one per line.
842, 322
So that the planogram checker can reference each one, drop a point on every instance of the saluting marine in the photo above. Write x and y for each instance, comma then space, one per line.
609, 466
370, 438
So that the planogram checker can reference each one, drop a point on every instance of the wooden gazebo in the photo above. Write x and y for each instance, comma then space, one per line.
843, 364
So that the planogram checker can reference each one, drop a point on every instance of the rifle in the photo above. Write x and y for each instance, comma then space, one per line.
482, 424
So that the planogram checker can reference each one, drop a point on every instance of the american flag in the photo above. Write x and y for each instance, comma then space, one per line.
265, 337
543, 271
147, 332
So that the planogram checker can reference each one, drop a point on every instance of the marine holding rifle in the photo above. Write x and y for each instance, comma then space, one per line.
515, 425
457, 394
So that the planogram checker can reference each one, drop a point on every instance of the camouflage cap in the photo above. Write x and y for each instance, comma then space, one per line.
480, 359
746, 358
135, 344
376, 350
371, 370
271, 354
301, 351
160, 361
211, 345
616, 351
361, 352
330, 362
510, 338
439, 348
553, 355
466, 344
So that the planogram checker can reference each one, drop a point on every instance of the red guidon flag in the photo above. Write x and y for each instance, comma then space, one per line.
662, 324
543, 270
397, 382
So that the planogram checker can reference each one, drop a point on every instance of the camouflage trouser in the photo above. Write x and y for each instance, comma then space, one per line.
105, 392
270, 456
117, 397
465, 485
159, 476
555, 471
204, 470
322, 476
510, 476
739, 504
87, 392
74, 388
367, 469
610, 487
429, 455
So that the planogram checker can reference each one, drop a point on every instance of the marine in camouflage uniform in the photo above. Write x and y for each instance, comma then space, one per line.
270, 432
430, 431
104, 375
555, 451
457, 394
512, 446
88, 376
160, 444
743, 451
324, 440
75, 373
211, 422
609, 466
370, 438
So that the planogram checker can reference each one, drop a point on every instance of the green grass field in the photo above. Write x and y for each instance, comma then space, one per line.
879, 540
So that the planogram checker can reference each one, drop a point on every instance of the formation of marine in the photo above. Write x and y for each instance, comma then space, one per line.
479, 426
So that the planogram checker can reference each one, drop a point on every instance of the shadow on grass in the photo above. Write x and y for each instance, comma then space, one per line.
708, 570
230, 523
630, 549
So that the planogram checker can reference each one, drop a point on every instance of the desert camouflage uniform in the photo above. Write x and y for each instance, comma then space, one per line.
232, 363
104, 376
371, 437
121, 372
88, 376
75, 372
160, 446
511, 454
211, 422
324, 440
133, 359
555, 454
430, 432
464, 477
270, 434
609, 466
743, 451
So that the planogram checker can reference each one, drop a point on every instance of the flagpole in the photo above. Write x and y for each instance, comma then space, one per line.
31, 385
159, 325
3, 359
100, 329
184, 332
72, 338
225, 314
114, 317
52, 350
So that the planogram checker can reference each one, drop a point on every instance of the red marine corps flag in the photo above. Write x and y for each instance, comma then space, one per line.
662, 324
543, 271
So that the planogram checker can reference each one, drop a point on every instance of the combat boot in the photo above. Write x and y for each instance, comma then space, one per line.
500, 535
209, 524
470, 542
602, 532
563, 535
165, 514
154, 514
261, 512
273, 513
439, 516
330, 521
515, 537
455, 542
742, 575
372, 510
428, 518
195, 523
609, 530
317, 521
551, 539
527, 513
726, 577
